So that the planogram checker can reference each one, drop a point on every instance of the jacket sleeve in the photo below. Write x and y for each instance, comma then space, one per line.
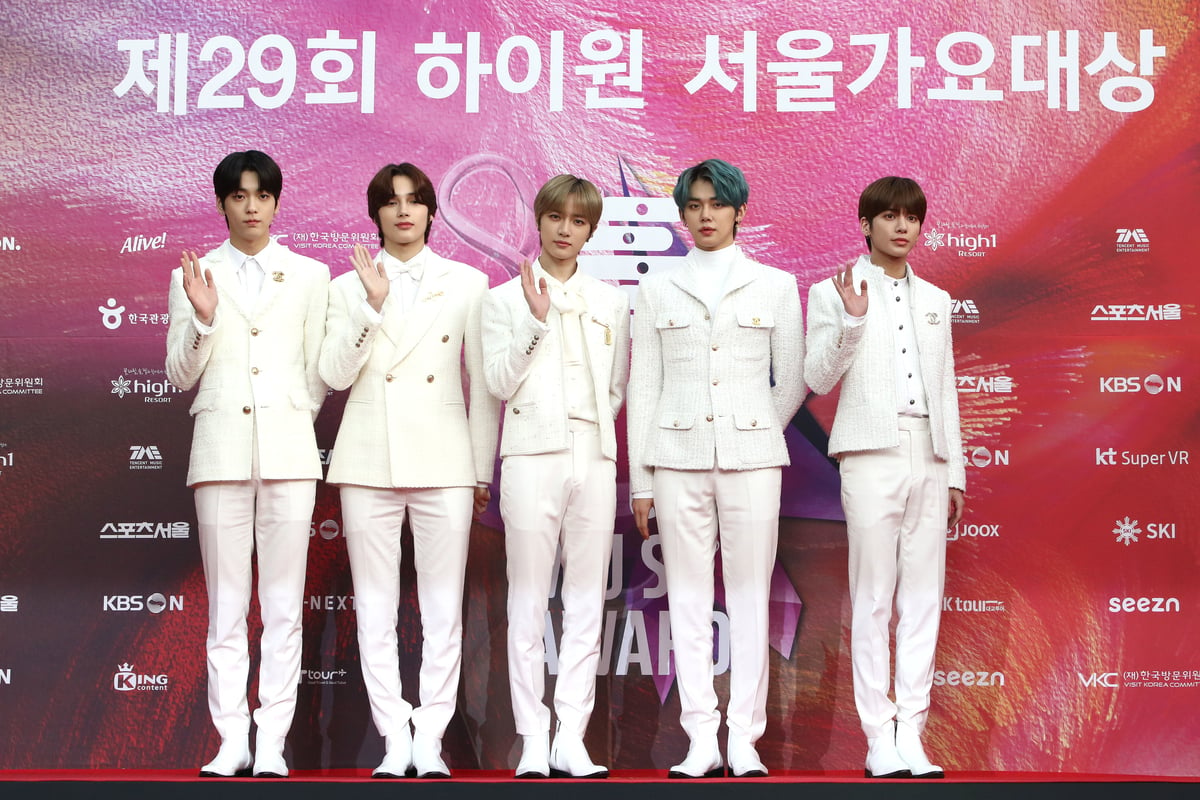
620, 371
349, 335
314, 335
787, 352
483, 418
645, 388
188, 349
509, 346
831, 344
955, 461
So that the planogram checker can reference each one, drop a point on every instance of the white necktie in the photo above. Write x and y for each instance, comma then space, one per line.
252, 280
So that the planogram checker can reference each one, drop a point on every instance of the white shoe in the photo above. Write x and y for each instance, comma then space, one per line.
232, 761
427, 757
743, 759
268, 757
882, 759
908, 746
535, 752
703, 761
398, 760
569, 759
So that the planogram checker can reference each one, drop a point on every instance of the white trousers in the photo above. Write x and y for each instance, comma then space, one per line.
694, 510
549, 501
235, 518
440, 519
896, 502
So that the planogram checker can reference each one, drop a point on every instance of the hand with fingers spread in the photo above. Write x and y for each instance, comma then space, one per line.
373, 276
536, 295
854, 303
199, 286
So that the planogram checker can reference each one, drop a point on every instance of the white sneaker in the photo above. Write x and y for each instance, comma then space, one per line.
882, 759
268, 757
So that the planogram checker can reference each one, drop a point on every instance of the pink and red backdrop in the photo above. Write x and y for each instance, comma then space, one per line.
1056, 141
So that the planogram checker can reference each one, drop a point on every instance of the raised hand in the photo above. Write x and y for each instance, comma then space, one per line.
199, 287
373, 276
854, 303
537, 296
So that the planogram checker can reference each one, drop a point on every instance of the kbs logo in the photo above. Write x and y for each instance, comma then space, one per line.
126, 680
1151, 384
155, 603
1104, 680
983, 457
977, 678
1143, 605
1132, 240
145, 457
1127, 531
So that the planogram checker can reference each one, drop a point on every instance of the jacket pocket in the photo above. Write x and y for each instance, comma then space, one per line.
206, 400
680, 422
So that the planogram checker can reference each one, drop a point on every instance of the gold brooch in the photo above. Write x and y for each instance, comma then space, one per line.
277, 277
432, 295
932, 318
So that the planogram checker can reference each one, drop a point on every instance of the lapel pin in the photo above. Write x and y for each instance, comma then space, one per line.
277, 277
432, 295
932, 318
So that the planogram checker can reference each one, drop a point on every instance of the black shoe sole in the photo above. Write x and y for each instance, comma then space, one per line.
898, 775
715, 772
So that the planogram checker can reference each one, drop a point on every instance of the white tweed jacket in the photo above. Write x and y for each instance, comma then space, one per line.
861, 358
524, 366
406, 423
719, 389
257, 369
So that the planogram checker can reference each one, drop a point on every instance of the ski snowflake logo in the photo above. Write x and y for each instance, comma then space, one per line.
121, 386
934, 240
1127, 531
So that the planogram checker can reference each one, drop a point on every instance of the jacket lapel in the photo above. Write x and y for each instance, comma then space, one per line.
431, 297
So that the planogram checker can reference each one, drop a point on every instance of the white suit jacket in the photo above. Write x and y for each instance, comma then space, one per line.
714, 390
406, 423
524, 365
257, 369
862, 359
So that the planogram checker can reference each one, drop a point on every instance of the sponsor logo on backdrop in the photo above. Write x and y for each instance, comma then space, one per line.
330, 602
6, 676
125, 679
146, 530
9, 603
967, 678
113, 316
144, 457
966, 245
1169, 312
1129, 531
986, 457
154, 603
327, 529
140, 243
1143, 605
324, 677
9, 243
1110, 457
1151, 384
6, 459
326, 456
973, 530
1143, 679
1132, 240
995, 384
964, 312
11, 384
151, 388
970, 606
